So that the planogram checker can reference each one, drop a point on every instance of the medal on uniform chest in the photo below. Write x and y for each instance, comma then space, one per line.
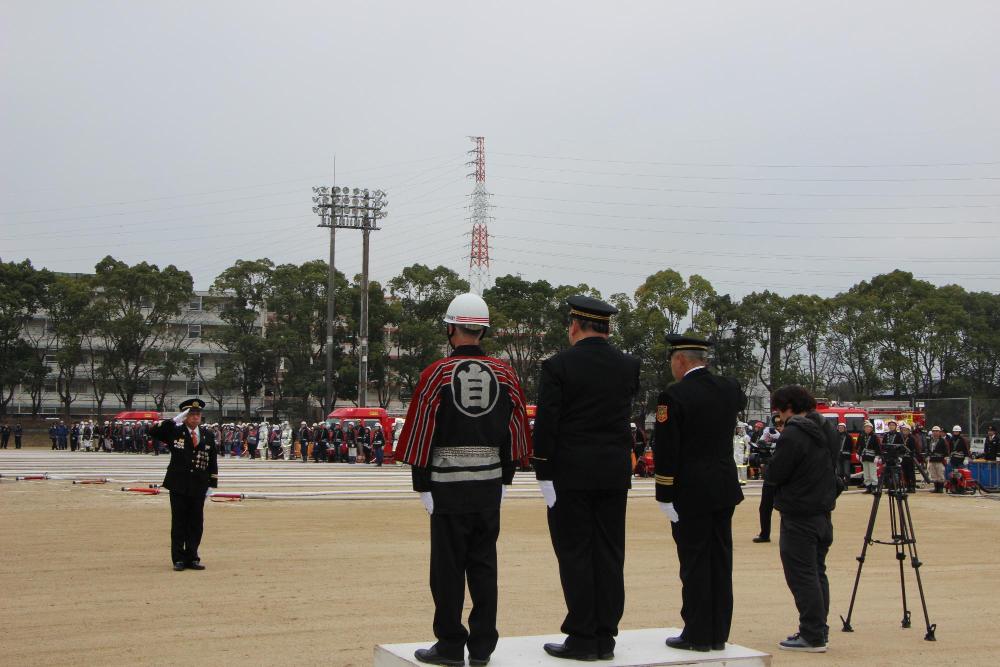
662, 413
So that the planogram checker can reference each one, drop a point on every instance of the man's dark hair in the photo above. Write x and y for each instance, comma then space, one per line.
473, 330
591, 325
794, 397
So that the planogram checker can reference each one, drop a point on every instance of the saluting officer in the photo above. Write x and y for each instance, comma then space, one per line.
698, 488
582, 459
193, 468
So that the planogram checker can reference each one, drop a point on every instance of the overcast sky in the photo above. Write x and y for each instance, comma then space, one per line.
793, 146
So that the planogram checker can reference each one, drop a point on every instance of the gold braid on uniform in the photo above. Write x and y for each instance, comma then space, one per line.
589, 316
664, 480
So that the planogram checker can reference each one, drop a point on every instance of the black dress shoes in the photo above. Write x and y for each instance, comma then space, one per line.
195, 565
562, 651
685, 645
432, 657
478, 662
761, 538
178, 566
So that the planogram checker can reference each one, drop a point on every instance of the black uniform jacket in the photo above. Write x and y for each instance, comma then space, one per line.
802, 468
693, 447
938, 449
992, 448
190, 471
582, 436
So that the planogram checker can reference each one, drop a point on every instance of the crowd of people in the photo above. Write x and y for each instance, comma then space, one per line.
918, 453
348, 442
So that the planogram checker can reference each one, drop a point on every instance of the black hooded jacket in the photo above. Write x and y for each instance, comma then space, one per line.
802, 467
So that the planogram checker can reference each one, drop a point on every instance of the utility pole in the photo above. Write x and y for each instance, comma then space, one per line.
349, 208
363, 325
330, 397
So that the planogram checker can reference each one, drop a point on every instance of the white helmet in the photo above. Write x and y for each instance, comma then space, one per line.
468, 310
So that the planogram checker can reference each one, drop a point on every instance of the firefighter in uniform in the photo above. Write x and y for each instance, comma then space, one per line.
991, 448
937, 451
583, 463
698, 489
845, 466
193, 468
466, 426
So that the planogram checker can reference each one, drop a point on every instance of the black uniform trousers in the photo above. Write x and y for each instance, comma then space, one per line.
805, 541
766, 509
588, 536
845, 468
705, 551
909, 472
187, 520
465, 546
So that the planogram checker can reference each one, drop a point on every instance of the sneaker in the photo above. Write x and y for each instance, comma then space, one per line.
797, 643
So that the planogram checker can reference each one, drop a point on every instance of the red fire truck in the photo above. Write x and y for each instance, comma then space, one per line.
898, 414
852, 416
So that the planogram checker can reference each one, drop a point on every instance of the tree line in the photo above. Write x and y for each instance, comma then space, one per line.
894, 335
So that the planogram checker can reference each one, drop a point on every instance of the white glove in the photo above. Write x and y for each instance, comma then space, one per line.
668, 509
179, 419
548, 492
208, 492
428, 500
503, 492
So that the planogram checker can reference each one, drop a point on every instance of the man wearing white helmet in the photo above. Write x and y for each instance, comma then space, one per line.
466, 426
959, 447
937, 450
868, 449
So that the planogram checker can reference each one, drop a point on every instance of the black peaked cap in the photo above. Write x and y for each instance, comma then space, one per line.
589, 308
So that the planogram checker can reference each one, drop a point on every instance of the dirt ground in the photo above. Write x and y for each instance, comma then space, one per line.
86, 578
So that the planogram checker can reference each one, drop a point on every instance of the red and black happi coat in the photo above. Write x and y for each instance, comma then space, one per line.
465, 400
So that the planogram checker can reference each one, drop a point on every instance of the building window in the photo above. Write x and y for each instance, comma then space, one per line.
142, 386
145, 302
196, 360
194, 331
50, 361
49, 386
50, 326
195, 303
193, 389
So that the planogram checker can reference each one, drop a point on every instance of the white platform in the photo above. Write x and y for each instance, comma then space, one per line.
634, 648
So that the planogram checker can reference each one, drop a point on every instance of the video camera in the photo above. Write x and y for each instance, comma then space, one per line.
761, 452
893, 452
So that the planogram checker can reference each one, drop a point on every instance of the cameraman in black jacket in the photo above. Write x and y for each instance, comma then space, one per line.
803, 472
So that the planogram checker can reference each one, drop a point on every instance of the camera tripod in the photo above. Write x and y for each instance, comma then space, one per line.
903, 539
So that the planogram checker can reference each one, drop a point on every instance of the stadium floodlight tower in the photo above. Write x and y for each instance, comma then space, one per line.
349, 208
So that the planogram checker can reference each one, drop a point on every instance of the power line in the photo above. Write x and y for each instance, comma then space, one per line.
740, 283
759, 165
771, 270
227, 189
701, 252
749, 208
723, 220
794, 194
765, 179
689, 232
